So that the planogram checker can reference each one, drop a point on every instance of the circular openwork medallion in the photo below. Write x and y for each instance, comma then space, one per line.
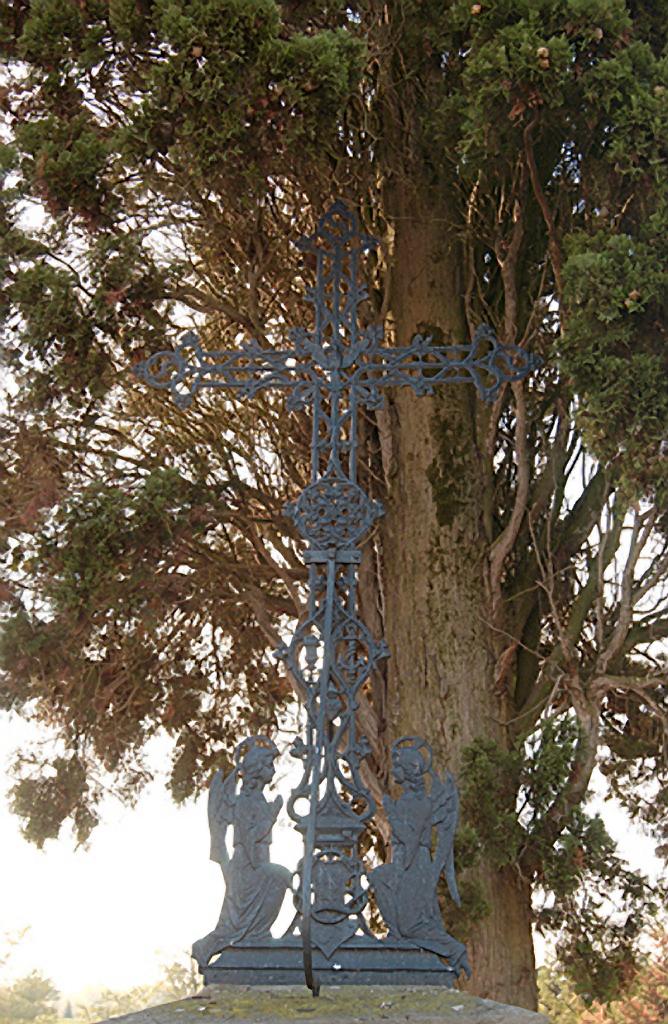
333, 512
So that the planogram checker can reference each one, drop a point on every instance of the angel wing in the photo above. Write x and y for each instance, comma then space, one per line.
445, 815
222, 794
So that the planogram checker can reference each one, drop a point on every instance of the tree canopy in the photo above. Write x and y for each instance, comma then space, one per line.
158, 159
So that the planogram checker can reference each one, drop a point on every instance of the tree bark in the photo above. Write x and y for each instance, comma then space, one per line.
434, 556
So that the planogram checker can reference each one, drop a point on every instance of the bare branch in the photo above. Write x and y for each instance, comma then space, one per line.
562, 661
646, 633
640, 533
207, 302
553, 243
641, 685
504, 543
573, 792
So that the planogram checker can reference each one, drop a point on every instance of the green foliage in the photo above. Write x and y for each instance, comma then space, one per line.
489, 777
230, 84
615, 347
53, 32
57, 332
551, 752
592, 901
600, 908
633, 770
64, 160
528, 59
645, 1002
557, 998
101, 545
46, 801
99, 530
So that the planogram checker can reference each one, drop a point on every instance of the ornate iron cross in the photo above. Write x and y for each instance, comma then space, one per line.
334, 370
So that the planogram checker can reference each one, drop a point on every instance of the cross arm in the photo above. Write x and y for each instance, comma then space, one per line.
423, 366
187, 368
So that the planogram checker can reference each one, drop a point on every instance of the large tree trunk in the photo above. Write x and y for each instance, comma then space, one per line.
434, 554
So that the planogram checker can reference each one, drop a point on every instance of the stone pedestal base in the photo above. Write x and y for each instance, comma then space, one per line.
362, 961
348, 1004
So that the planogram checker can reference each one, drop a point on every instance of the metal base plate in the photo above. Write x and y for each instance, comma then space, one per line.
362, 961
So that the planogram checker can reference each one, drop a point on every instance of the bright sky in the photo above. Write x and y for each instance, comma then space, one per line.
110, 915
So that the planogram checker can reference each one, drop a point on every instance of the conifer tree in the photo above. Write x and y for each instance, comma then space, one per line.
158, 158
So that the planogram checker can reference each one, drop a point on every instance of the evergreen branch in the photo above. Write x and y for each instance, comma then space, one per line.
597, 563
553, 475
574, 529
651, 579
507, 255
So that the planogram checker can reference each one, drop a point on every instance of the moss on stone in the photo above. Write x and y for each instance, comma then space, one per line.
353, 1003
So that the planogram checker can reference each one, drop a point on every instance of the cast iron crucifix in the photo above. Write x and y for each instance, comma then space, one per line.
333, 371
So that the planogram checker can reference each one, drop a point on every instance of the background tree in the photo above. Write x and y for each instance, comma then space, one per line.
178, 981
556, 998
31, 998
160, 156
647, 1000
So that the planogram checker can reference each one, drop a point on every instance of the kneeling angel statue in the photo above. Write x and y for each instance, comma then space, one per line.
254, 887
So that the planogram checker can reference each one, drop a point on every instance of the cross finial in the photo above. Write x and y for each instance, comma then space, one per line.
337, 243
335, 231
